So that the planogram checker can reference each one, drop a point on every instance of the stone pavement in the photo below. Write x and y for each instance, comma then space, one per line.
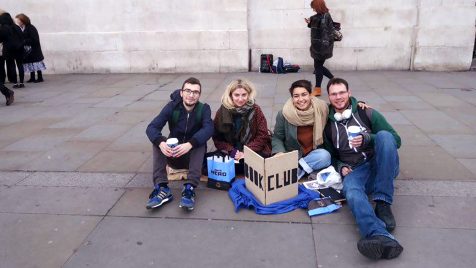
75, 173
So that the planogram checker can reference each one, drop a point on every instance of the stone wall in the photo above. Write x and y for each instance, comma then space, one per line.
92, 36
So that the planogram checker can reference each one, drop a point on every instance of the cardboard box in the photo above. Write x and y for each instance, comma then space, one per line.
272, 179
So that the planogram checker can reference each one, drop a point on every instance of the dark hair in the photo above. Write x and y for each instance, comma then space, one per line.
301, 83
23, 18
193, 81
319, 6
337, 80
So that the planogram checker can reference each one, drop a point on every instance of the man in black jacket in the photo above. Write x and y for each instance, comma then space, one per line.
191, 124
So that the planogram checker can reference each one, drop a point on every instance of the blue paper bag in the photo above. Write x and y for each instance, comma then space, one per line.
221, 172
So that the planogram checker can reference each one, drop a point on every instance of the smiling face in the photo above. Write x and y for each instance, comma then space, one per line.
339, 97
190, 94
301, 98
239, 97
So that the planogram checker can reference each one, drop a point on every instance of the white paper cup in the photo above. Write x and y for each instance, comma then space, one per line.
352, 132
172, 142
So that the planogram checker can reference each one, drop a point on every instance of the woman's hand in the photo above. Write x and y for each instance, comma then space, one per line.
239, 155
307, 20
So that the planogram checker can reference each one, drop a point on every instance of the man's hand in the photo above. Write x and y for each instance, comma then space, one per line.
357, 141
182, 149
239, 155
345, 171
166, 150
363, 105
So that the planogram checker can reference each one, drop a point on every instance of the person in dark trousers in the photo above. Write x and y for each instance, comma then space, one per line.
369, 164
322, 41
190, 123
33, 61
12, 39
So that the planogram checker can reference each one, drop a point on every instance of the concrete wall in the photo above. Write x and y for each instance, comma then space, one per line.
215, 36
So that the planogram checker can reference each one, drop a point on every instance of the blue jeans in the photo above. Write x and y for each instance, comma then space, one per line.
314, 160
374, 177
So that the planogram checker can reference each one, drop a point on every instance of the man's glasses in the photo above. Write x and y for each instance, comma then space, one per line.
191, 92
340, 93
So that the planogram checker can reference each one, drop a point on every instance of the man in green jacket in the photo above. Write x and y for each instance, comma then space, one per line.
363, 147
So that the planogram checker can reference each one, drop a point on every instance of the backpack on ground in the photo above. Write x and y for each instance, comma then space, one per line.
278, 66
266, 63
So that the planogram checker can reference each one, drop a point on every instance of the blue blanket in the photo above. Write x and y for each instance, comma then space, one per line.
242, 198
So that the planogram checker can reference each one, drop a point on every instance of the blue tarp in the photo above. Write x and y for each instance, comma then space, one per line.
242, 198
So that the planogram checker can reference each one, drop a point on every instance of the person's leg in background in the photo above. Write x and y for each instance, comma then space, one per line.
21, 72
3, 74
9, 94
318, 72
11, 70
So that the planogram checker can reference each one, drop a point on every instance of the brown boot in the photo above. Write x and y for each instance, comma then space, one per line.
316, 92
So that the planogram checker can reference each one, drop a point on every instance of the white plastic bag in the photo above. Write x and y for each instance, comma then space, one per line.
329, 177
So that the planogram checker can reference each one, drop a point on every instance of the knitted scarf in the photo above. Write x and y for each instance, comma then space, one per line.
225, 123
315, 115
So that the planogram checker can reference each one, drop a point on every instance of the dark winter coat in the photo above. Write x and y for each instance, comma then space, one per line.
186, 129
32, 38
11, 37
322, 41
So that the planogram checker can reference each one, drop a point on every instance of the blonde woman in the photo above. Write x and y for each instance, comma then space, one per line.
240, 121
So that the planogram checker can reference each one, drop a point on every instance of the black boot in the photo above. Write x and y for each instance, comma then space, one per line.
379, 247
40, 77
32, 77
9, 95
384, 212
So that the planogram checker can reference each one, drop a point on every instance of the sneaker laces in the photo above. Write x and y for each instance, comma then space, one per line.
154, 192
188, 192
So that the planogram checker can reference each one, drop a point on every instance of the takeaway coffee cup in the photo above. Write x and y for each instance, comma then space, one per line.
172, 142
352, 132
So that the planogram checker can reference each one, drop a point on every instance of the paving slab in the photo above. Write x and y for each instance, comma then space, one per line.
58, 200
448, 188
11, 178
77, 179
109, 161
43, 140
68, 156
436, 122
423, 247
139, 242
210, 204
470, 164
102, 132
30, 240
426, 162
459, 146
14, 160
411, 136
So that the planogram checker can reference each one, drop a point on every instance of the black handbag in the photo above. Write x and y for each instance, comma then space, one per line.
336, 33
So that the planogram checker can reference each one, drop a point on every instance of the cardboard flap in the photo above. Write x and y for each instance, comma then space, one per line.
254, 174
281, 177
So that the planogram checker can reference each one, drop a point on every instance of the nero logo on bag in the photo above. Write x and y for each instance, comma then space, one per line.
272, 179
218, 172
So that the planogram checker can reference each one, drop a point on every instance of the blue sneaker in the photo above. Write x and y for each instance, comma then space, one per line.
188, 197
159, 196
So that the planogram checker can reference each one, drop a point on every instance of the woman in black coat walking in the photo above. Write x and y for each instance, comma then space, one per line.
322, 41
12, 39
33, 61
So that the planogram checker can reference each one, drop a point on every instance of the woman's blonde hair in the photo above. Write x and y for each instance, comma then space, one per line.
226, 99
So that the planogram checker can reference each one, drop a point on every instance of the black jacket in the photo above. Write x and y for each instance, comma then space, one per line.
32, 38
186, 129
11, 37
322, 41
